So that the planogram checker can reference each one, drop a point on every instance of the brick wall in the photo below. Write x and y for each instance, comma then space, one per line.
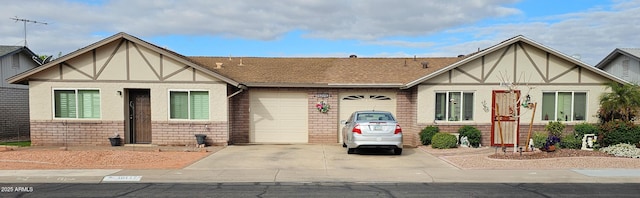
323, 127
74, 133
406, 116
183, 133
14, 116
239, 118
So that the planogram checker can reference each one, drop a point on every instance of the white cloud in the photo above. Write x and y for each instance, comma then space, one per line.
72, 23
591, 34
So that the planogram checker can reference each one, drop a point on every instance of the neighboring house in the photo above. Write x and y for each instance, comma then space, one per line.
623, 63
14, 103
148, 94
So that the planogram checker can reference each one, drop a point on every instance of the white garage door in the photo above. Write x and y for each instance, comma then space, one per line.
355, 101
278, 117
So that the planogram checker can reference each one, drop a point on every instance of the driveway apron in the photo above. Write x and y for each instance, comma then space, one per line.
317, 163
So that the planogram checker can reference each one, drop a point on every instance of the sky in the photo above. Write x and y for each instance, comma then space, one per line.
588, 29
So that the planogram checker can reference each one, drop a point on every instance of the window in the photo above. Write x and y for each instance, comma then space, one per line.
454, 106
77, 103
189, 105
564, 106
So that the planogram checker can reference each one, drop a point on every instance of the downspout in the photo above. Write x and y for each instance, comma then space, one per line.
242, 88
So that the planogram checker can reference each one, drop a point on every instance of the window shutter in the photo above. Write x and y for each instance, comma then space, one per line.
178, 105
199, 105
65, 103
89, 103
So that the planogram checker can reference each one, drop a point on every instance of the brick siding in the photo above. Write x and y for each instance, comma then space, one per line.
74, 133
183, 133
14, 116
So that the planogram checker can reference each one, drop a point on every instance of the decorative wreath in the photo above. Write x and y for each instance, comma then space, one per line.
323, 107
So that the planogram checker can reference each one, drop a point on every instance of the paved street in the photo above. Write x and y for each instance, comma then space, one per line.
327, 190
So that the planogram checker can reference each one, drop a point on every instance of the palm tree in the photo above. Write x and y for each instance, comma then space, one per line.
623, 102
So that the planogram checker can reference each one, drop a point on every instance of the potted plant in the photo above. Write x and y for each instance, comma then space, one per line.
554, 130
115, 140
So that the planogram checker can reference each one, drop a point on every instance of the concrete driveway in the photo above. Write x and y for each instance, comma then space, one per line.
300, 163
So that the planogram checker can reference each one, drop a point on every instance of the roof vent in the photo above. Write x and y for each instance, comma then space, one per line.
240, 64
353, 56
218, 65
425, 65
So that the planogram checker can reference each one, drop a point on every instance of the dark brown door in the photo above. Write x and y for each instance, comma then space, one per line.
140, 116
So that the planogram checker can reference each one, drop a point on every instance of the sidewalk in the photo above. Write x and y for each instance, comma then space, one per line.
320, 163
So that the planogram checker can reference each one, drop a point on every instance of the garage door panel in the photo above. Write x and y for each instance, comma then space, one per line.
278, 117
357, 101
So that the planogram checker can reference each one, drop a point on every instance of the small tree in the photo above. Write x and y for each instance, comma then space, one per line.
623, 102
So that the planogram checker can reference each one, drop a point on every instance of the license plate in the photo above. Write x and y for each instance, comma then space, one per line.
377, 128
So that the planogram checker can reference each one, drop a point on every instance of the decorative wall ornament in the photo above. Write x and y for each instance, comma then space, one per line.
323, 107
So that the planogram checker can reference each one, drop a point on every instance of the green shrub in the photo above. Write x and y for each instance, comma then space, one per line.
472, 133
444, 141
427, 133
585, 128
555, 128
539, 139
616, 132
571, 141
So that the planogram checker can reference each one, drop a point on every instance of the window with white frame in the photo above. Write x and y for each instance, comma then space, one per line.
454, 106
189, 105
564, 106
76, 103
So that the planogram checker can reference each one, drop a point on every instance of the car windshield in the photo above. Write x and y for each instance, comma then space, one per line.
374, 117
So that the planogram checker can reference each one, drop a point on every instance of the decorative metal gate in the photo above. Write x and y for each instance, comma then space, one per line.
505, 123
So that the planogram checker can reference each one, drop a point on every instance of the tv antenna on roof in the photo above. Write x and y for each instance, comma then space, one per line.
24, 21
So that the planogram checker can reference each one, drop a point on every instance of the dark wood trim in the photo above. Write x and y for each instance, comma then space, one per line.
547, 65
147, 61
161, 68
497, 62
534, 64
76, 69
129, 81
450, 76
563, 73
515, 63
127, 65
110, 57
194, 73
93, 52
482, 71
465, 73
532, 84
60, 70
579, 74
186, 67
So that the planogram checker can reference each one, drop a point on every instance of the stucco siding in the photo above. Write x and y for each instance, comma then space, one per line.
112, 104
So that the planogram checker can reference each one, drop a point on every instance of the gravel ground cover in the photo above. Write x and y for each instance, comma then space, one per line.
494, 158
13, 158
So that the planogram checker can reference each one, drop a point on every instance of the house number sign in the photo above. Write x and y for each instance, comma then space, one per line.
322, 95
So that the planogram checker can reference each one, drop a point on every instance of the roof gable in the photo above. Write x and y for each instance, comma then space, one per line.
117, 40
500, 48
6, 50
630, 52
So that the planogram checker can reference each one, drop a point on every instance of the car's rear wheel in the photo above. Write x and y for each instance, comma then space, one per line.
351, 150
397, 151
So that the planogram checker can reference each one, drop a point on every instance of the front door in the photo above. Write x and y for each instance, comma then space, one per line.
505, 121
139, 116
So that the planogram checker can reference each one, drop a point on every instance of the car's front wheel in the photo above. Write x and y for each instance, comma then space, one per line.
397, 151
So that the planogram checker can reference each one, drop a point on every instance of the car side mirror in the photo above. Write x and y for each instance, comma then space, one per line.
343, 122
